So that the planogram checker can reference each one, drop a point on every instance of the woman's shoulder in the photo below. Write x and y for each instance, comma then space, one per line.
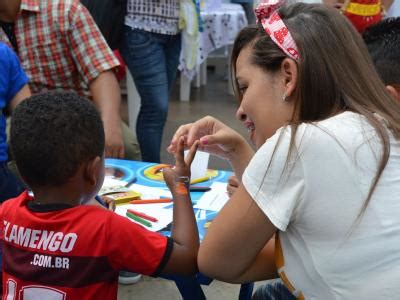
344, 130
346, 126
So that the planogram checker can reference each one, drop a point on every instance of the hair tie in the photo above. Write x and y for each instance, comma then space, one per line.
273, 25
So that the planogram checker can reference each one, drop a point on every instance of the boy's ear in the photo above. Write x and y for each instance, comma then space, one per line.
393, 91
92, 169
289, 72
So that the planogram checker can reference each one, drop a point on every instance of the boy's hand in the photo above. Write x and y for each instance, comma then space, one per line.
181, 170
110, 202
107, 200
183, 258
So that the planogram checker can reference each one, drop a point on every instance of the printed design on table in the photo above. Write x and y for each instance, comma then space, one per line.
155, 172
119, 172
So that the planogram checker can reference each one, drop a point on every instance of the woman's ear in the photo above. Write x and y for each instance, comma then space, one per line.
92, 171
290, 74
393, 91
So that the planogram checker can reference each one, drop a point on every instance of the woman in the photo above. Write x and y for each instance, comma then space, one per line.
325, 178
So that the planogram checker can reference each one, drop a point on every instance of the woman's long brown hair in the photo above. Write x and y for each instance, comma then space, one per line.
335, 71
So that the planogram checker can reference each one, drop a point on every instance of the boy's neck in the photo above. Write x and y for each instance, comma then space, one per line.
57, 195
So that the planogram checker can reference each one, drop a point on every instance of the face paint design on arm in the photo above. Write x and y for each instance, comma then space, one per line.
181, 189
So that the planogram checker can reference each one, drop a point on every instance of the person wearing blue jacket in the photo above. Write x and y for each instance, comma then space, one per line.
13, 89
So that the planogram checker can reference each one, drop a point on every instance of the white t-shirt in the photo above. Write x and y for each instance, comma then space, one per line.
326, 253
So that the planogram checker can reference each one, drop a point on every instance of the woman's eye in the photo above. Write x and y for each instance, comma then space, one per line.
242, 89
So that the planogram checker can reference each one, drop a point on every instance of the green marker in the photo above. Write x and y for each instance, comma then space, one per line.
138, 219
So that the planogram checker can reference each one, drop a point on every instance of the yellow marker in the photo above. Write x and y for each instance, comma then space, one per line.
207, 224
200, 179
124, 197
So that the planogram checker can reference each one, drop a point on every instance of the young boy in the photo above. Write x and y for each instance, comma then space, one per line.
56, 248
383, 43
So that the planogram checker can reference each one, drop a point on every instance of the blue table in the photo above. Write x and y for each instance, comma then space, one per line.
189, 287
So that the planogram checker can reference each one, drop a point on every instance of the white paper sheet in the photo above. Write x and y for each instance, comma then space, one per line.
214, 199
147, 192
160, 211
112, 185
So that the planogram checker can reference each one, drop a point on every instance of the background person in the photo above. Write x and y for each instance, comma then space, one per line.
71, 56
383, 43
13, 89
151, 47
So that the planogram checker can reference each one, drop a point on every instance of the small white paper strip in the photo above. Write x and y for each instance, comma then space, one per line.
215, 199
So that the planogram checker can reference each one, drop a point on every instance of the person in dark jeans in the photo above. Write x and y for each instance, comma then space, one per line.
248, 7
150, 48
13, 89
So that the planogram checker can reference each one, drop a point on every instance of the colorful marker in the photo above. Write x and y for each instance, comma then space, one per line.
200, 179
199, 188
151, 201
142, 215
138, 219
98, 199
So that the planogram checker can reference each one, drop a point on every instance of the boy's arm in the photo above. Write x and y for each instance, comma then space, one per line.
183, 258
103, 202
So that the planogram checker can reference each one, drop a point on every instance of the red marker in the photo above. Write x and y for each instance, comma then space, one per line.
142, 215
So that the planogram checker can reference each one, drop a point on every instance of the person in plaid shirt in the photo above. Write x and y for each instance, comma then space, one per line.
60, 47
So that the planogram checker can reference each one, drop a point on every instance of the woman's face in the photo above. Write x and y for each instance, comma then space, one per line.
262, 108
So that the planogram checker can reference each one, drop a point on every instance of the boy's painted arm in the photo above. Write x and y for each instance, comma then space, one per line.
183, 259
185, 235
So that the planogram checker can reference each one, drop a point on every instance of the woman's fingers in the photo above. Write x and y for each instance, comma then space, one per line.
192, 132
181, 131
191, 154
233, 184
233, 181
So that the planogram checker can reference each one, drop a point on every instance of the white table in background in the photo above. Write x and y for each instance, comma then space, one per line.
220, 28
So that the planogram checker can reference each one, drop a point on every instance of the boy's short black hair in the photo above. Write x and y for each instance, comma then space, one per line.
52, 134
383, 42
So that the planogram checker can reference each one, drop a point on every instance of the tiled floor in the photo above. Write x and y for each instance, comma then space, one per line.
212, 99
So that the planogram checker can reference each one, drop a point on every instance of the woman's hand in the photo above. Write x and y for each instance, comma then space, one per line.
215, 137
233, 184
181, 169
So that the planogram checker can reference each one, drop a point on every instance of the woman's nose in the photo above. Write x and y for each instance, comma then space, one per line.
240, 114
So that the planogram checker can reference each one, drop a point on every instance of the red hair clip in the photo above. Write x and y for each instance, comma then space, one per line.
273, 25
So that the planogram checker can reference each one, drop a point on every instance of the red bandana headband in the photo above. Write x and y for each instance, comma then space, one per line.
275, 28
